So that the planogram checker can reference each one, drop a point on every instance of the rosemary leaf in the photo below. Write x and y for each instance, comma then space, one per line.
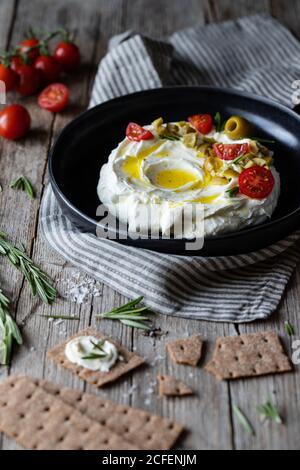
129, 314
136, 324
60, 317
263, 141
169, 137
232, 192
39, 282
289, 329
95, 356
9, 331
23, 184
270, 412
243, 420
218, 122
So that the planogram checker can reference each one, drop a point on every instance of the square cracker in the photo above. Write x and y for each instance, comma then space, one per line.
147, 431
39, 420
97, 378
172, 387
248, 356
186, 351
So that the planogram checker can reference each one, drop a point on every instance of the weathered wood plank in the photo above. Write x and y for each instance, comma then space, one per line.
248, 394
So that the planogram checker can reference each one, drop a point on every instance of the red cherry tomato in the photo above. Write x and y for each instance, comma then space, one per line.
9, 77
137, 133
54, 98
202, 122
14, 122
48, 67
29, 80
16, 62
67, 55
231, 151
256, 182
26, 45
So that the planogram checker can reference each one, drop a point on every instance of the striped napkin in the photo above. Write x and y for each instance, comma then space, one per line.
256, 54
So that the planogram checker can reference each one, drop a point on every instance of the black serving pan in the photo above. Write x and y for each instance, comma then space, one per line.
85, 144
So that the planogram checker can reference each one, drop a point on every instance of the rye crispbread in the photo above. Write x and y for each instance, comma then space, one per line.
147, 431
39, 420
251, 355
129, 361
186, 351
172, 387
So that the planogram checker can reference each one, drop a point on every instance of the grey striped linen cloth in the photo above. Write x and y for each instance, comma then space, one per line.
255, 54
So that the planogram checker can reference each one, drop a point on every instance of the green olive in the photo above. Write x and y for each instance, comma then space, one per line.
237, 128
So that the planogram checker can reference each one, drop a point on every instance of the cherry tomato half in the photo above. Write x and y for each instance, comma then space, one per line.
67, 54
136, 133
48, 67
230, 151
26, 45
9, 77
202, 122
14, 122
29, 80
54, 98
256, 182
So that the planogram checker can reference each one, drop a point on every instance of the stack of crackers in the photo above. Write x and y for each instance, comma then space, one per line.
43, 416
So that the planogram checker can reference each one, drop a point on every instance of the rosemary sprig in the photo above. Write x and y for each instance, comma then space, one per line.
9, 331
22, 183
270, 412
289, 329
39, 282
129, 314
243, 420
60, 317
98, 346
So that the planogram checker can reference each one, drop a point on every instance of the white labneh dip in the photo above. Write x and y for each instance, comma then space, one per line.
92, 353
171, 174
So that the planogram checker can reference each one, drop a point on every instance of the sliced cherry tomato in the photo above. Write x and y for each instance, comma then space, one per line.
256, 182
137, 133
48, 67
230, 151
26, 45
9, 77
67, 54
202, 122
14, 122
54, 98
29, 80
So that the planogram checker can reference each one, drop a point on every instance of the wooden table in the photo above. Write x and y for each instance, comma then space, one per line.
208, 415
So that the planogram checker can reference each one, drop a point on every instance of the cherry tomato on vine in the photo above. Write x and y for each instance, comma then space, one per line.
9, 77
29, 80
54, 98
67, 54
26, 45
48, 67
14, 122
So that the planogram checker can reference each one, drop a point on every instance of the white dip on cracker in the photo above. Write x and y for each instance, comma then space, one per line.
92, 353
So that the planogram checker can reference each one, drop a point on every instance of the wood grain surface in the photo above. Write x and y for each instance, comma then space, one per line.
209, 414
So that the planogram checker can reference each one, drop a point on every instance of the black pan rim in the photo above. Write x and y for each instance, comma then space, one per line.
91, 111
